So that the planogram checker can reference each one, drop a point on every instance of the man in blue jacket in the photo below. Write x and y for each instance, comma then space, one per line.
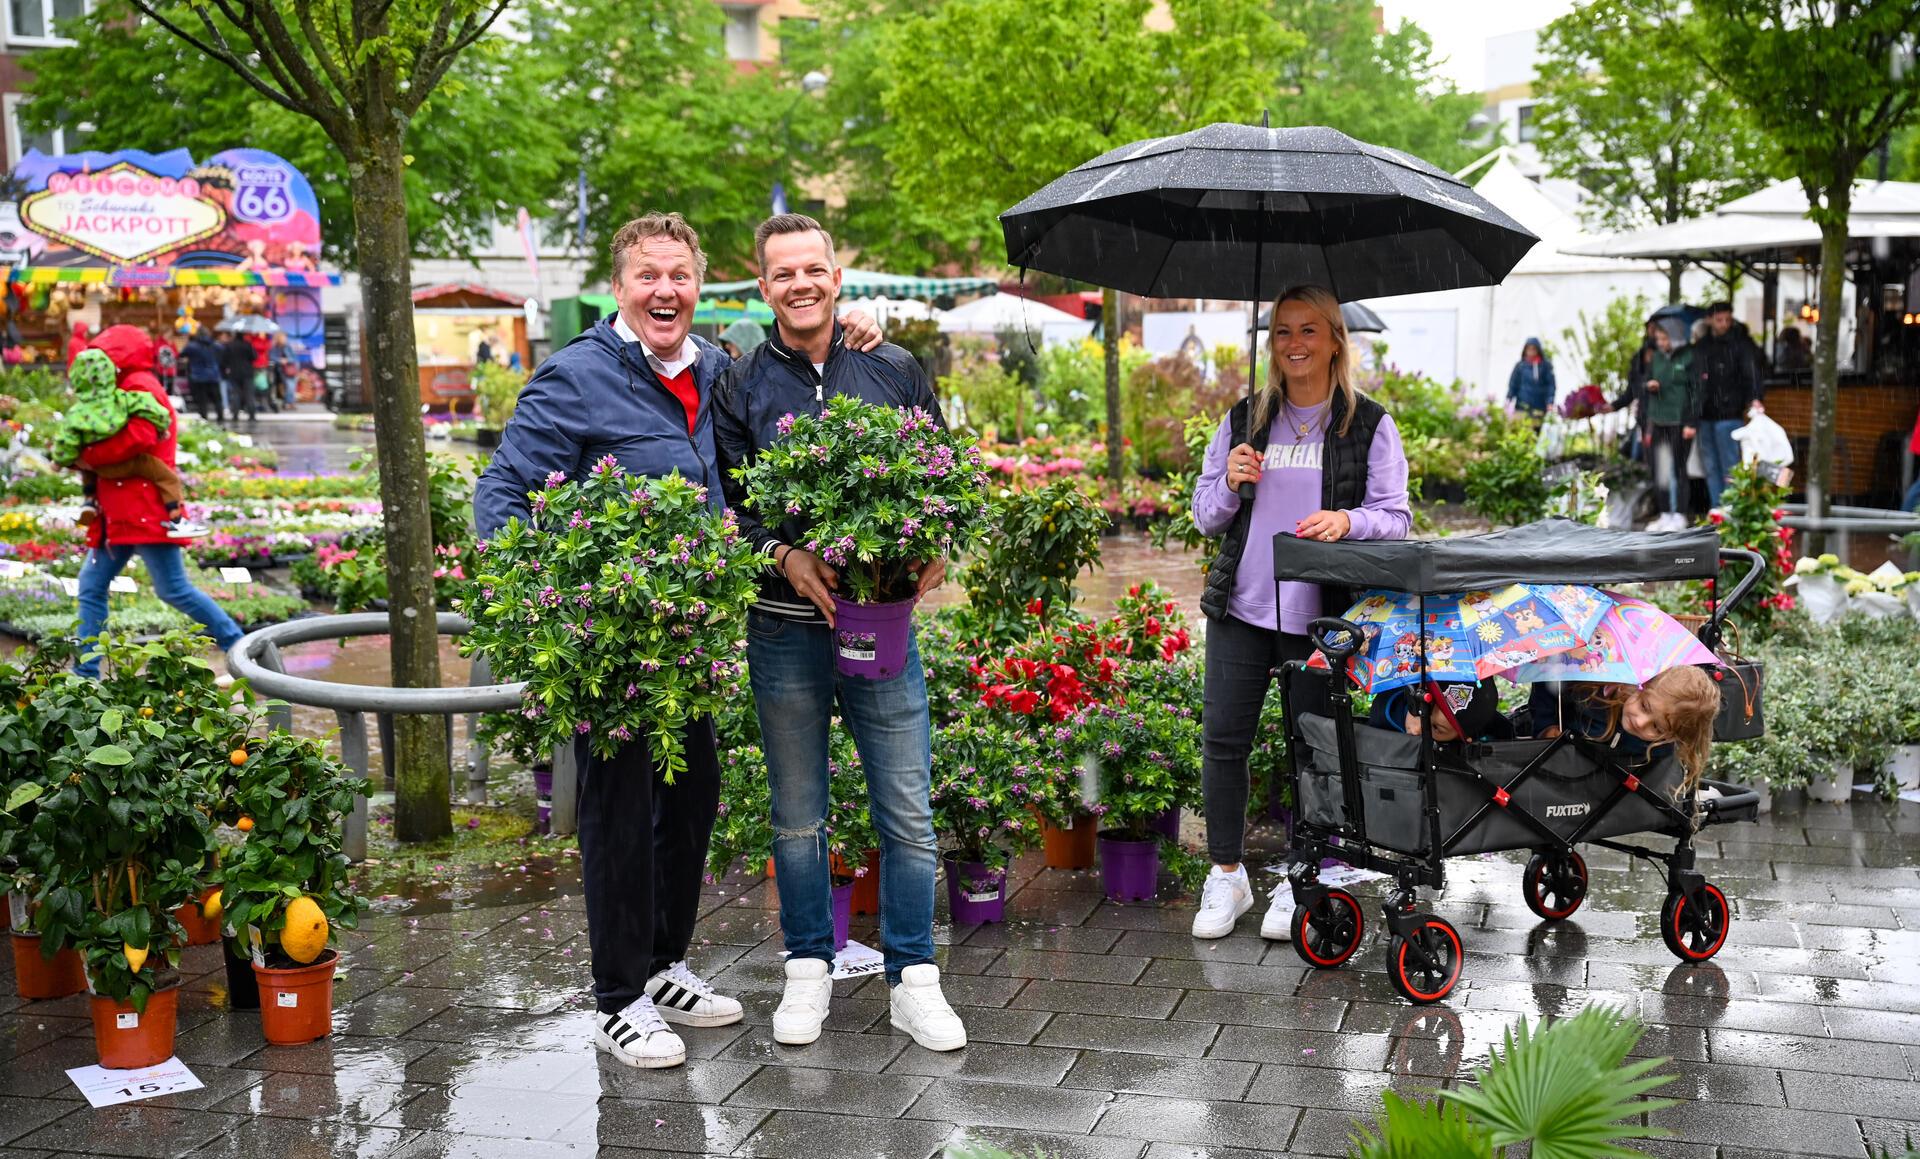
790, 657
203, 374
636, 386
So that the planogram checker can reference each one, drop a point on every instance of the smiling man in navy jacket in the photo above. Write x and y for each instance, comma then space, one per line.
790, 656
636, 386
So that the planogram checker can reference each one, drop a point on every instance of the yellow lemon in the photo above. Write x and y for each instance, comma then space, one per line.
136, 957
210, 908
306, 932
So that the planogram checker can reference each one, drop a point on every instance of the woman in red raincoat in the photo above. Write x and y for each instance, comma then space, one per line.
132, 512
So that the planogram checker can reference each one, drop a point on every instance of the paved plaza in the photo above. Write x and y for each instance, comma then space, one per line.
1098, 1030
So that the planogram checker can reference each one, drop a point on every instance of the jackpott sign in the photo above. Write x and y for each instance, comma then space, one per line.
241, 207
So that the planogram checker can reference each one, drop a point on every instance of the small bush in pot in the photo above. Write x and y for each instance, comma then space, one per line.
284, 891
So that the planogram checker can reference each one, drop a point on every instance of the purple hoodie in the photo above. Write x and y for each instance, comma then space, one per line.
1289, 491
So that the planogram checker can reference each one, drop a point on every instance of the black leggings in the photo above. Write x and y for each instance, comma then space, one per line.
1240, 662
1668, 457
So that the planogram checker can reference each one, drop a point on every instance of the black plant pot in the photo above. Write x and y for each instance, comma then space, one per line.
243, 989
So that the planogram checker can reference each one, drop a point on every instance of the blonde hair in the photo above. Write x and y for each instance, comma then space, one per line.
1685, 700
1268, 400
668, 225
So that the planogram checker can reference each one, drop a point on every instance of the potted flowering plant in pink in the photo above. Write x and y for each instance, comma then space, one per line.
622, 603
885, 490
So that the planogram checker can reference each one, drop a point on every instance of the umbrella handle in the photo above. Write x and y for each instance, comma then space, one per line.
1323, 632
1246, 492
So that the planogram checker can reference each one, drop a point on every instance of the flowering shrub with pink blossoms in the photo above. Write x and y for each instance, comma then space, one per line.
621, 602
881, 489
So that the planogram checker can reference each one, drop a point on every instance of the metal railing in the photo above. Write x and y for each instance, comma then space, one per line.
256, 658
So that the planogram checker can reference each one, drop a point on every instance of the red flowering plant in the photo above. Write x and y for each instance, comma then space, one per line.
1749, 518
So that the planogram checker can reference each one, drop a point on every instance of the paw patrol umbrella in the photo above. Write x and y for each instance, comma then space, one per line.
1470, 636
1632, 643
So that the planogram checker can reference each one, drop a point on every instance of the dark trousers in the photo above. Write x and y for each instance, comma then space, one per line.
1240, 662
206, 396
643, 853
1668, 456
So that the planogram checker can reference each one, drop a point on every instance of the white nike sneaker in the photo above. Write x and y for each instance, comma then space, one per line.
1277, 926
685, 997
1222, 900
804, 1005
920, 1009
638, 1036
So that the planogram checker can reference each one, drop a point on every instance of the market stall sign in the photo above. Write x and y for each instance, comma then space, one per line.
124, 212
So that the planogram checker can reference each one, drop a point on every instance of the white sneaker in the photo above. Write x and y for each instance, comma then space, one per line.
804, 1006
685, 997
638, 1036
922, 1011
1222, 900
1277, 926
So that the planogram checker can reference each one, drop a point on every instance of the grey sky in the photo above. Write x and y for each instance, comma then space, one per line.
1460, 28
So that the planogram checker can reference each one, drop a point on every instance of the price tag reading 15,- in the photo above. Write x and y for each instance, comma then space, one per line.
107, 1088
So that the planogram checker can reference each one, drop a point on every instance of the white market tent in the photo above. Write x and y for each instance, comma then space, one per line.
1000, 312
1475, 335
1775, 218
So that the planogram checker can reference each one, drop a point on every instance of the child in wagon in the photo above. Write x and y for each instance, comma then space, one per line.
102, 410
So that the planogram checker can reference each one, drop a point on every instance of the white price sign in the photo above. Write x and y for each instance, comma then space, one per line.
857, 961
70, 585
123, 583
236, 575
12, 569
109, 1088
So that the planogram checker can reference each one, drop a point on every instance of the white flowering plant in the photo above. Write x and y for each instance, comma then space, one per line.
622, 603
882, 489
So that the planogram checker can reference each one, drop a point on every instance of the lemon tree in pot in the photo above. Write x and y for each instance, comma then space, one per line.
123, 833
284, 890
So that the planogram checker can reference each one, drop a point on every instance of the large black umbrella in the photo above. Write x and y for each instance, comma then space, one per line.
1234, 211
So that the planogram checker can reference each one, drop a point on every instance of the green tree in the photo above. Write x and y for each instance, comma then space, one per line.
141, 87
1631, 114
362, 70
1378, 85
1828, 81
992, 99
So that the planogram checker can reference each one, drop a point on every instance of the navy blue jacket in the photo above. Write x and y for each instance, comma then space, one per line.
773, 381
598, 396
1530, 386
203, 358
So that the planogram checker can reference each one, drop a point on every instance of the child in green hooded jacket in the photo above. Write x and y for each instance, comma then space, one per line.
102, 410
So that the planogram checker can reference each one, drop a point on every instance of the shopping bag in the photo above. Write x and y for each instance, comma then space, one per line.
1741, 682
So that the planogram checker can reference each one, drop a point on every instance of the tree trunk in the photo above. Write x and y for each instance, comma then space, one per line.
421, 771
1826, 377
1674, 270
1116, 438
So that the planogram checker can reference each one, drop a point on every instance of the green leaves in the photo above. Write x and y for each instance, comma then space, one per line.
23, 794
111, 755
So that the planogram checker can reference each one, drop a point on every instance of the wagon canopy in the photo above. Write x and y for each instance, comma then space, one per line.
1550, 551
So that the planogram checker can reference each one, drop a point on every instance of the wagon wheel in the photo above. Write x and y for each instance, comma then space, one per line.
1425, 965
1695, 932
1555, 884
1327, 943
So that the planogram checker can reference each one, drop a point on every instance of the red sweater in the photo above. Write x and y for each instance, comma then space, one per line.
683, 388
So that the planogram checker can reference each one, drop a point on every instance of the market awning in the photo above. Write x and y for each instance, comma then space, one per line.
870, 284
166, 276
1772, 219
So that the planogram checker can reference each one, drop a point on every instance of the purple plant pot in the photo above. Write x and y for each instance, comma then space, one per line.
842, 912
1129, 868
975, 894
870, 640
1167, 824
542, 798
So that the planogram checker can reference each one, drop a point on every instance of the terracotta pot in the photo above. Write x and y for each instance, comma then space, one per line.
201, 929
1070, 848
296, 1004
866, 886
769, 867
128, 1039
40, 977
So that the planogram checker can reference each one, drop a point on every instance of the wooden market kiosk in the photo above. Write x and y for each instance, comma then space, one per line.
450, 321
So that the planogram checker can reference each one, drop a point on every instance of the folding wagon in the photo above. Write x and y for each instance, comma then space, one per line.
1402, 804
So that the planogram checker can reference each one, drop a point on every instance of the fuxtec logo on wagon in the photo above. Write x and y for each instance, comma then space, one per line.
1580, 810
123, 212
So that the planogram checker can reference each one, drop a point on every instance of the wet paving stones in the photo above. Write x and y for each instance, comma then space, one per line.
1099, 1030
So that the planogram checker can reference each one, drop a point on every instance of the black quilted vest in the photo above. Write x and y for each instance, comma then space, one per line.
1343, 486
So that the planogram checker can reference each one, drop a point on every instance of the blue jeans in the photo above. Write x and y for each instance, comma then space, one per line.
1912, 501
795, 687
166, 567
1719, 454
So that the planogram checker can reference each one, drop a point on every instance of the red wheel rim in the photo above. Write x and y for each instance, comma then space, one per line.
1317, 946
1683, 936
1544, 882
1451, 945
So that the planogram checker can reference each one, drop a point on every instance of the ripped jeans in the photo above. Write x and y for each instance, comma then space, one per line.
795, 688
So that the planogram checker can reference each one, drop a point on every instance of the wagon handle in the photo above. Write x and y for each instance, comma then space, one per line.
1325, 629
1756, 566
